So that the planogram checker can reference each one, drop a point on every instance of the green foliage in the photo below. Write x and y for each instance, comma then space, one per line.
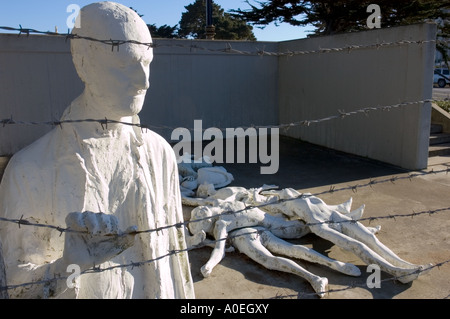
337, 16
228, 26
445, 105
164, 31
193, 25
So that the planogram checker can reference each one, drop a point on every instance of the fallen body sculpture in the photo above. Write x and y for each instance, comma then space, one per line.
258, 232
198, 173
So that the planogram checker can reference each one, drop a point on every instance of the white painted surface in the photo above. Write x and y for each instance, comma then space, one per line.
102, 181
38, 81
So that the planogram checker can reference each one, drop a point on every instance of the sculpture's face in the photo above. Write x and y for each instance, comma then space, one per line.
116, 76
120, 79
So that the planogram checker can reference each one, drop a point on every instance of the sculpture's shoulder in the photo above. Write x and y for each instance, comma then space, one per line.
159, 145
27, 175
34, 157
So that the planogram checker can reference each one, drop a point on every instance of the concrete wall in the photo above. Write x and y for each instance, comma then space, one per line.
315, 86
38, 81
221, 89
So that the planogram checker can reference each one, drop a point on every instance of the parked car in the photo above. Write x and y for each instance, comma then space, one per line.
441, 77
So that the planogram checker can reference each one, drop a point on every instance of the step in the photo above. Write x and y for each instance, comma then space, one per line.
435, 128
439, 138
439, 150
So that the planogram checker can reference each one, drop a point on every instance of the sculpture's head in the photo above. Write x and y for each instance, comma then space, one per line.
201, 220
117, 76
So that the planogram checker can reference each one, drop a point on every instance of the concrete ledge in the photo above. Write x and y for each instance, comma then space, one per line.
441, 117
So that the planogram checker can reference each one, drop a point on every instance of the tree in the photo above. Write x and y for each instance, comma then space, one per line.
228, 26
164, 31
335, 16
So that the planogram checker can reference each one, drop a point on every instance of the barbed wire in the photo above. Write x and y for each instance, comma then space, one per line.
95, 269
354, 286
257, 232
115, 44
21, 221
285, 126
354, 188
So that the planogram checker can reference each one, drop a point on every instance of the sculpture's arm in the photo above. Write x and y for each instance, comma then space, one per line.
194, 202
32, 277
220, 234
30, 253
30, 273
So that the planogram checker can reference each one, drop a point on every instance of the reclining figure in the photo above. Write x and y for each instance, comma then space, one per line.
257, 220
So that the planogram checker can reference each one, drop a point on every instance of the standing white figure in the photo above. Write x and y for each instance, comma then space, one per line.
100, 180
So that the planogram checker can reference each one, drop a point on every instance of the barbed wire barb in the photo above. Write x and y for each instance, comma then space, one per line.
229, 49
117, 43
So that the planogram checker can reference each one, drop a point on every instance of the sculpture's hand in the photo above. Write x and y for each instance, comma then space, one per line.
94, 238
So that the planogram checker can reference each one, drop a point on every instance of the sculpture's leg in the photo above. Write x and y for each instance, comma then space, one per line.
248, 241
288, 229
364, 252
344, 208
359, 232
374, 230
279, 246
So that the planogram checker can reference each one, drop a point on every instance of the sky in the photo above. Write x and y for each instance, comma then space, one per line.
45, 15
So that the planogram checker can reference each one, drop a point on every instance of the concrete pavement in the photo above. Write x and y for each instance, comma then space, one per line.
441, 93
422, 239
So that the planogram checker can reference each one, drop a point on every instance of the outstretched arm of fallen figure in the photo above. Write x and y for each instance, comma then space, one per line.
220, 235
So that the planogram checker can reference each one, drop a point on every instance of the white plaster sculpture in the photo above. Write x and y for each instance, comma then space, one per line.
107, 181
258, 232
3, 293
196, 173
